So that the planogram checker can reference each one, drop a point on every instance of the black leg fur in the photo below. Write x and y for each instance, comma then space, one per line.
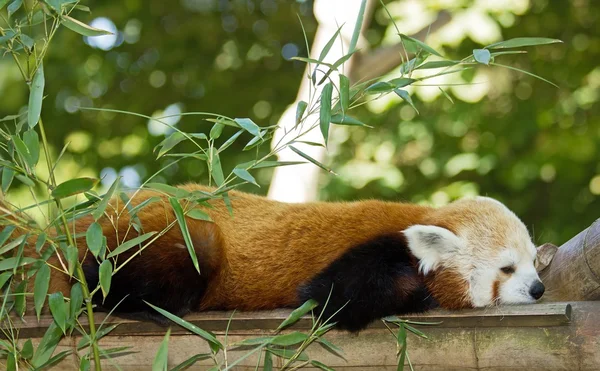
371, 281
172, 285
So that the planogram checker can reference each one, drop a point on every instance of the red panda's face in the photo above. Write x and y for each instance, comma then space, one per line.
486, 250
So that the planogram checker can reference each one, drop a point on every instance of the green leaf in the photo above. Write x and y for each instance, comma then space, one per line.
161, 359
32, 141
268, 362
335, 66
525, 72
47, 345
191, 361
170, 190
42, 281
522, 41
357, 26
11, 263
267, 164
2, 3
188, 326
25, 180
331, 348
6, 233
82, 28
130, 243
184, 231
93, 238
27, 349
58, 4
288, 353
170, 142
23, 151
344, 92
446, 95
4, 277
298, 313
84, 364
406, 97
329, 44
321, 366
482, 56
415, 331
56, 302
216, 130
216, 169
72, 255
73, 187
199, 215
99, 210
255, 341
27, 41
436, 64
245, 175
8, 175
230, 141
401, 82
12, 244
325, 111
13, 7
290, 339
380, 87
105, 276
39, 243
300, 109
420, 44
20, 298
76, 299
249, 126
304, 155
340, 119
36, 94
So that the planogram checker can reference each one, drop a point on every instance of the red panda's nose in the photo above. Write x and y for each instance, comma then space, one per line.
537, 290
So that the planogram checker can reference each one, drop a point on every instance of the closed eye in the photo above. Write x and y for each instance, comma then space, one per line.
508, 269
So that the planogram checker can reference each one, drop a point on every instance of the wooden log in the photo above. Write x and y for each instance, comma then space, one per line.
574, 272
556, 336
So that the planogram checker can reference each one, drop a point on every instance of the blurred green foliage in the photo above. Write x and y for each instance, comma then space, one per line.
513, 137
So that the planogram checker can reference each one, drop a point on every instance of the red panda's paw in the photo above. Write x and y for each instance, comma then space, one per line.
370, 281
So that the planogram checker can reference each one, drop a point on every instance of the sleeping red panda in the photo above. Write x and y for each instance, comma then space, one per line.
372, 258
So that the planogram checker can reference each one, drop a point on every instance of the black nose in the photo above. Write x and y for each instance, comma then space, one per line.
537, 290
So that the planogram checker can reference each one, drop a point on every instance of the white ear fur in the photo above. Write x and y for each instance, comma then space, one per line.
431, 244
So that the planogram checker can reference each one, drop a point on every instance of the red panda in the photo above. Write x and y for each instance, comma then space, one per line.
370, 258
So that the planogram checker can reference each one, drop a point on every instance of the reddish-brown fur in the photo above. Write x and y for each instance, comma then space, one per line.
259, 257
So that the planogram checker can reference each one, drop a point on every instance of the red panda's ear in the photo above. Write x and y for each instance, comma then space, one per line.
431, 245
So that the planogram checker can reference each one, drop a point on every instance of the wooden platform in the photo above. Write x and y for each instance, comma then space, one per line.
553, 336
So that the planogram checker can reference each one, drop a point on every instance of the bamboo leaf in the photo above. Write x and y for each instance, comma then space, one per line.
522, 41
325, 111
56, 302
300, 109
401, 82
304, 155
32, 141
42, 281
329, 44
436, 64
249, 126
82, 28
357, 26
27, 349
11, 263
73, 187
216, 169
290, 339
199, 215
340, 119
130, 243
105, 276
267, 164
185, 231
406, 97
321, 366
525, 72
20, 299
47, 345
216, 130
482, 56
169, 142
76, 299
93, 238
288, 353
245, 175
99, 210
36, 94
8, 175
23, 151
230, 141
380, 87
161, 358
344, 92
188, 326
446, 95
298, 313
420, 44
191, 361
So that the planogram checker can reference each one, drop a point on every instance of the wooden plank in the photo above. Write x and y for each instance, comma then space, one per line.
535, 348
548, 314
